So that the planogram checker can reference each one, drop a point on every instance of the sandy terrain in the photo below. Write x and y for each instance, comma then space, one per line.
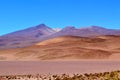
67, 48
57, 67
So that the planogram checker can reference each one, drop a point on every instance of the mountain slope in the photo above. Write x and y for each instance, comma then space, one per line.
40, 30
25, 37
67, 48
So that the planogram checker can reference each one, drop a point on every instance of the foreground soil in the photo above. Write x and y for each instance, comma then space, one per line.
57, 67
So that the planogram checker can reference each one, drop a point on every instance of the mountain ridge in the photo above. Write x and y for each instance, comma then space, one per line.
41, 32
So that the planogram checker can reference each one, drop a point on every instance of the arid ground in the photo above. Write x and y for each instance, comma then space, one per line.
67, 48
57, 67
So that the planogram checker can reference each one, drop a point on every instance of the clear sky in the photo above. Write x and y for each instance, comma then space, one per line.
21, 14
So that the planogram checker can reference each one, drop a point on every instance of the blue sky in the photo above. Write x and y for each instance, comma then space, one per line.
21, 14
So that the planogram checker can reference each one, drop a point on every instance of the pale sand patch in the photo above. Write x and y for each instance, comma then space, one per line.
5, 57
115, 56
51, 41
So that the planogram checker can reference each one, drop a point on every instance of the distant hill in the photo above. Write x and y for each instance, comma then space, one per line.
32, 35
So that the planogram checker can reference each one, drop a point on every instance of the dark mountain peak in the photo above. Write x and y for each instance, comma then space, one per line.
41, 26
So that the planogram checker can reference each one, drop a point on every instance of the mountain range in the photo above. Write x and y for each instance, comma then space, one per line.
43, 43
32, 35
